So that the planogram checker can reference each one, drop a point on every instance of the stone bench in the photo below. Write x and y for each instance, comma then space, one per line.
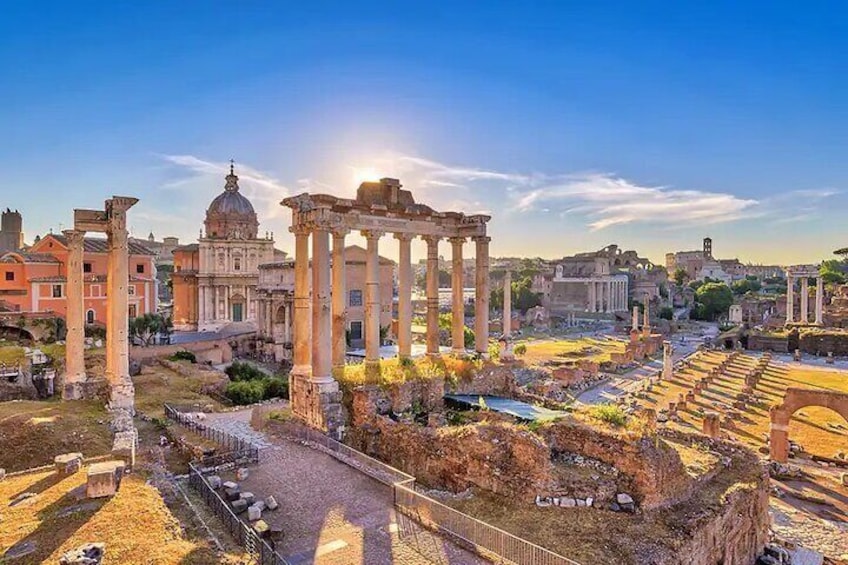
68, 463
104, 479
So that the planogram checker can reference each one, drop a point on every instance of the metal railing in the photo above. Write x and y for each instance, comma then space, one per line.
230, 442
483, 539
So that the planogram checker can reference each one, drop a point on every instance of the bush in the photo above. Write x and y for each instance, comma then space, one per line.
609, 413
276, 387
183, 356
520, 349
239, 371
245, 392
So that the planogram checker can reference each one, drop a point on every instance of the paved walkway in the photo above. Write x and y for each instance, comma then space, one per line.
332, 514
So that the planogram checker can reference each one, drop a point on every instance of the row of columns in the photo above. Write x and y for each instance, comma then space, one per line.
320, 345
805, 300
607, 295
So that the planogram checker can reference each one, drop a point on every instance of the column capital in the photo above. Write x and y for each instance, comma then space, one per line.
372, 234
340, 233
403, 237
481, 239
74, 236
300, 229
431, 239
457, 240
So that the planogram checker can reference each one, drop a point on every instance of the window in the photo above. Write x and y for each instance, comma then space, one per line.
131, 290
355, 298
355, 330
57, 291
237, 264
139, 268
10, 275
89, 317
132, 311
86, 267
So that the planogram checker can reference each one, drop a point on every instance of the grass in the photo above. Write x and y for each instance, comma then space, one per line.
609, 413
396, 371
810, 427
545, 350
157, 385
135, 525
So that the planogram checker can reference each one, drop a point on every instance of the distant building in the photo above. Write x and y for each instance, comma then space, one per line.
163, 251
11, 231
700, 265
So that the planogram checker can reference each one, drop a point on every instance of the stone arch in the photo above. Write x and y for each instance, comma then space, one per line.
794, 400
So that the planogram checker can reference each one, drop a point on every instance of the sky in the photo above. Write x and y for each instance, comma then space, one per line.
574, 125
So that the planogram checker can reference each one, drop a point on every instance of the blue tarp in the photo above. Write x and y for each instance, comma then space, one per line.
516, 408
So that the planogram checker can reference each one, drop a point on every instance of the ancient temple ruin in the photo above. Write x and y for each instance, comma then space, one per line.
803, 273
319, 320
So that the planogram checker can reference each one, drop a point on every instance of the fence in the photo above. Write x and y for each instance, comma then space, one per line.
228, 441
484, 539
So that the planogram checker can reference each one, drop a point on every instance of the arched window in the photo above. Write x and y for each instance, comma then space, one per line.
89, 317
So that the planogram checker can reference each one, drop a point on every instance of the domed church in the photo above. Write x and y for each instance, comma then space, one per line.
215, 279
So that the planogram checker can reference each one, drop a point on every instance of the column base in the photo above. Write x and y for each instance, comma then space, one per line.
122, 397
317, 404
75, 389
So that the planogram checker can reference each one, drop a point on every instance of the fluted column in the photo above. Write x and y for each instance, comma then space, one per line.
790, 299
404, 295
117, 281
432, 284
805, 300
372, 298
75, 318
819, 301
481, 294
458, 304
339, 300
322, 321
302, 312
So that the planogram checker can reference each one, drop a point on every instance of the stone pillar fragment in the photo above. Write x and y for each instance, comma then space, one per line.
668, 361
432, 283
339, 299
457, 302
712, 425
635, 324
75, 318
481, 295
404, 295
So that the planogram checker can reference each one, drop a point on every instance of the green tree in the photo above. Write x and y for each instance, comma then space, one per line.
145, 328
666, 313
681, 276
834, 271
713, 299
523, 297
745, 286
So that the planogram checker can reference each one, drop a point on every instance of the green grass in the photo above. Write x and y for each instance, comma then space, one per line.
609, 413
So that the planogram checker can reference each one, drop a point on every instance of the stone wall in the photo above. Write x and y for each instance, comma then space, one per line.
214, 351
657, 474
822, 342
760, 342
491, 379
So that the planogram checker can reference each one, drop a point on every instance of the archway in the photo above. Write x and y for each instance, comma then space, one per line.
794, 400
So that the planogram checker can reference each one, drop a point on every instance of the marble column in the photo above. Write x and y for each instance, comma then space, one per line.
481, 294
790, 299
339, 298
117, 281
372, 298
201, 306
458, 302
322, 319
287, 325
592, 299
404, 295
507, 305
75, 318
302, 312
635, 324
819, 301
432, 284
805, 300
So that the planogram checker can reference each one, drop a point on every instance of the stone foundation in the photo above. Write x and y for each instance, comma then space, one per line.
318, 405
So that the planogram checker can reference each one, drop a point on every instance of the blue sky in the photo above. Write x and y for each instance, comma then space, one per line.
648, 124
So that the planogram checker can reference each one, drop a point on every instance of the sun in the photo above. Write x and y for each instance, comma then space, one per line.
364, 174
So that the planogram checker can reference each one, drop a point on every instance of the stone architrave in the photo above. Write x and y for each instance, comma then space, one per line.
75, 376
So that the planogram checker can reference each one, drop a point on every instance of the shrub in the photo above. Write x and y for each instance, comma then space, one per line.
276, 387
245, 392
609, 413
183, 355
239, 371
520, 349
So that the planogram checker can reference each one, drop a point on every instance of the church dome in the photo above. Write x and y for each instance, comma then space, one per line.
231, 215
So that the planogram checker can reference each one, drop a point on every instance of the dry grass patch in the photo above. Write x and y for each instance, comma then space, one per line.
397, 371
157, 385
593, 349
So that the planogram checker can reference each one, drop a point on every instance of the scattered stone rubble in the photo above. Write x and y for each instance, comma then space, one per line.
88, 554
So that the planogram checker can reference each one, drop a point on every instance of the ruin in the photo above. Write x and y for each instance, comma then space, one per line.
795, 399
379, 208
804, 273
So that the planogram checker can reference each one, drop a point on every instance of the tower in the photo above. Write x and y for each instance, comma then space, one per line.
11, 231
708, 248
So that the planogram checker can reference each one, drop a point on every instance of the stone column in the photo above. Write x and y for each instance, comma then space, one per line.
790, 299
592, 298
287, 329
819, 301
432, 294
458, 303
372, 298
507, 305
805, 300
635, 325
302, 363
668, 361
75, 318
404, 295
322, 320
201, 305
339, 297
481, 295
117, 281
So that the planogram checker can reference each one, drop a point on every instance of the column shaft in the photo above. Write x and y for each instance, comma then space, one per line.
790, 299
117, 281
404, 295
302, 312
322, 326
75, 318
432, 283
481, 295
805, 300
339, 300
507, 309
819, 300
458, 304
372, 298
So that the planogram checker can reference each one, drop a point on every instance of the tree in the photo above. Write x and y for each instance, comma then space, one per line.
834, 271
523, 298
745, 286
146, 327
681, 276
713, 299
666, 313
842, 252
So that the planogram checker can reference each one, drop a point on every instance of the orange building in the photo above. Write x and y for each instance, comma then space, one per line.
35, 280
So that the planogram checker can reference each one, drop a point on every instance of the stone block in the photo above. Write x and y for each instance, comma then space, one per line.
568, 502
123, 447
239, 505
260, 504
248, 497
271, 503
230, 484
68, 463
254, 513
232, 494
214, 481
2, 474
242, 474
88, 554
262, 529
104, 479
